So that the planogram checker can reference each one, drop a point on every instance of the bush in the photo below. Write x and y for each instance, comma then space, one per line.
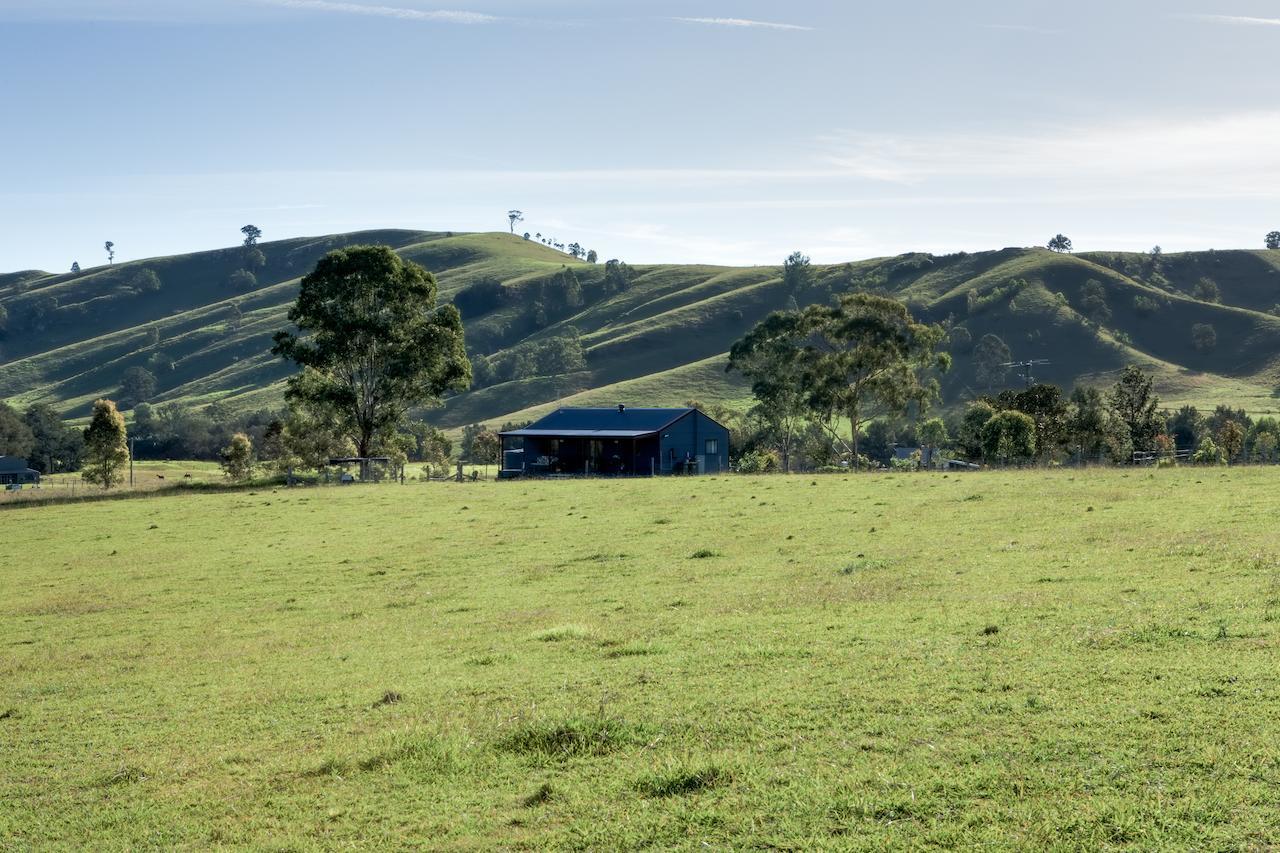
1145, 305
242, 280
1204, 337
1209, 454
760, 462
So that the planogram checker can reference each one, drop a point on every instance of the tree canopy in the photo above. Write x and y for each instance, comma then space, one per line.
371, 342
864, 357
16, 437
1136, 404
1060, 243
106, 446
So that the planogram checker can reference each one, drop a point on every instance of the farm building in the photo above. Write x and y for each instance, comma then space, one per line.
619, 441
14, 472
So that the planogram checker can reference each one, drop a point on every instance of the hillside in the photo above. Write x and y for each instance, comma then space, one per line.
651, 334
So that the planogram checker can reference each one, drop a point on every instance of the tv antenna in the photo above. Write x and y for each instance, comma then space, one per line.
1027, 368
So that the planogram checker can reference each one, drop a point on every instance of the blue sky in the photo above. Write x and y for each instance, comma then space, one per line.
727, 131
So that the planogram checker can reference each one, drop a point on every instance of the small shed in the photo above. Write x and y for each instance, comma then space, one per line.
619, 441
14, 472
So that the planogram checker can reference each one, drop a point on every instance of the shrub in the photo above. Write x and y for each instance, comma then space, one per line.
242, 280
1145, 305
1204, 337
237, 458
1207, 290
760, 462
1208, 453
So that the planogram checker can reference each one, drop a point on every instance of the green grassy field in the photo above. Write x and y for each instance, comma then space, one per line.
1080, 660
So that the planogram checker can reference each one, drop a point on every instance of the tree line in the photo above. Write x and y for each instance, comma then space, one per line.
850, 384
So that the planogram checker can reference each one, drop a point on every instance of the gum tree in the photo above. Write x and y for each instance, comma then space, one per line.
371, 342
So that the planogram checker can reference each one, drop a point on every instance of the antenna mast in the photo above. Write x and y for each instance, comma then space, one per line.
1027, 368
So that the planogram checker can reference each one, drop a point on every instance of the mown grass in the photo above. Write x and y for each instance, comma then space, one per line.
474, 667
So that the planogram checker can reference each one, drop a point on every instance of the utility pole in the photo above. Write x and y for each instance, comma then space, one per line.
133, 448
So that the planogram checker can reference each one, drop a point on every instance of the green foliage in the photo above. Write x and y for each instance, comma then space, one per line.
970, 434
242, 280
1094, 429
137, 385
1204, 337
146, 281
56, 447
1272, 240
1207, 290
759, 462
1185, 427
1093, 302
1208, 453
990, 358
252, 233
16, 437
1060, 243
977, 303
486, 448
1230, 438
769, 358
237, 458
1009, 437
617, 276
371, 341
1145, 305
933, 433
1266, 447
106, 447
865, 354
797, 273
1046, 406
1135, 403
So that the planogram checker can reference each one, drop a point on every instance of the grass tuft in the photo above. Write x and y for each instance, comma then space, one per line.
390, 697
560, 633
703, 554
538, 797
572, 737
680, 782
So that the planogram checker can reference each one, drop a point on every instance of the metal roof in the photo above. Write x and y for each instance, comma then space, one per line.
603, 423
580, 433
12, 464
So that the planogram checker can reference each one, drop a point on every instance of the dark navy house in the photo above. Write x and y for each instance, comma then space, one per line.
619, 441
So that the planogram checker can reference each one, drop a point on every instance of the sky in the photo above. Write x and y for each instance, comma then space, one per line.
655, 131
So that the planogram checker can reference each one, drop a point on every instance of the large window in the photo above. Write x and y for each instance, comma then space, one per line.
713, 447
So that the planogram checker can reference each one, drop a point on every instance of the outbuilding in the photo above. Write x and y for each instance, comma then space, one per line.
619, 441
14, 472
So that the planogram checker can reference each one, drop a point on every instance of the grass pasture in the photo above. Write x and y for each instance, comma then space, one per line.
1082, 660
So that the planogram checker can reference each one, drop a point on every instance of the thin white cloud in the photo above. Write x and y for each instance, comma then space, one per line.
743, 23
1226, 155
442, 16
1239, 20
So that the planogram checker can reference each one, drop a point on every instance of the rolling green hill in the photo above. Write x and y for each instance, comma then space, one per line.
656, 336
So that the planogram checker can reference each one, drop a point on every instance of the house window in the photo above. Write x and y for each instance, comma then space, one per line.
713, 447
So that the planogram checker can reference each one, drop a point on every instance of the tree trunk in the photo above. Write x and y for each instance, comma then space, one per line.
853, 417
